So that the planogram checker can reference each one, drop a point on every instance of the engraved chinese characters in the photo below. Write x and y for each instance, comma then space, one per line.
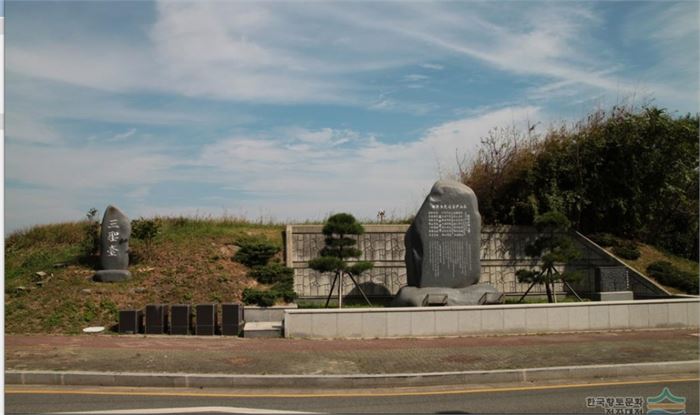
114, 246
443, 251
442, 244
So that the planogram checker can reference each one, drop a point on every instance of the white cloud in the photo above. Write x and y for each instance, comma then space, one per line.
669, 35
95, 64
288, 174
414, 77
285, 52
324, 136
26, 128
300, 181
28, 207
66, 169
433, 66
124, 135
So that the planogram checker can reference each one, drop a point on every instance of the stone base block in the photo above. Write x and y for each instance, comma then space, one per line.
112, 275
613, 296
473, 295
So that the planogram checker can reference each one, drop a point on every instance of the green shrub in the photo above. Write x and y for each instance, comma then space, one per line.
255, 252
288, 296
285, 291
604, 239
180, 221
91, 234
145, 229
628, 171
628, 250
524, 213
271, 273
665, 273
259, 297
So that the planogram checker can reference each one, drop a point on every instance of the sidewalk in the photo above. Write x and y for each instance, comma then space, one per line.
239, 356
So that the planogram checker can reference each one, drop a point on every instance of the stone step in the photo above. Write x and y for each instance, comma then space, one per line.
263, 329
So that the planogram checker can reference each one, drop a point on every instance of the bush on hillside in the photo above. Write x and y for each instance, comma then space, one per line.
665, 273
626, 172
604, 239
267, 298
262, 298
91, 230
255, 252
627, 250
272, 273
145, 229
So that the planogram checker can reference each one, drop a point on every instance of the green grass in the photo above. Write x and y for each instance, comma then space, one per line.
190, 261
540, 300
651, 254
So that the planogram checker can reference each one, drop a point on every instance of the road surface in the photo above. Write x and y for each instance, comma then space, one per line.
553, 398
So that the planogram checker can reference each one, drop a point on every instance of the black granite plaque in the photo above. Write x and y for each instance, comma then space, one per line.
443, 242
231, 319
130, 321
114, 246
206, 320
180, 319
611, 279
156, 318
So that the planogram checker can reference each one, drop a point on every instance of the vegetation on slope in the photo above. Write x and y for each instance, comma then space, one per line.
632, 173
190, 262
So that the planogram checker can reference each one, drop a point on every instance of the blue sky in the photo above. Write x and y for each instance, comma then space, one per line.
293, 110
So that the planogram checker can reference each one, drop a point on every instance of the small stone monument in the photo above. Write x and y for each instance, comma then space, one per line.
443, 248
114, 246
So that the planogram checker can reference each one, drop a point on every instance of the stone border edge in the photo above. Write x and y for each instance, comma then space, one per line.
175, 380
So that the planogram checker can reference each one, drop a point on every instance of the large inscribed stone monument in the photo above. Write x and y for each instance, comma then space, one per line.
443, 248
114, 246
442, 243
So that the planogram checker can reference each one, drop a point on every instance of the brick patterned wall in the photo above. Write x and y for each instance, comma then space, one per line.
502, 254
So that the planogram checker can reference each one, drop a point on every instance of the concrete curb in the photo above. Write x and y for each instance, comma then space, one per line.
186, 380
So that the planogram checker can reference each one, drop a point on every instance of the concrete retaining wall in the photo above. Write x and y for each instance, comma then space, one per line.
492, 319
502, 254
252, 313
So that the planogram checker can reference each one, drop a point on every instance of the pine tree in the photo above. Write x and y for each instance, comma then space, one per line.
552, 246
339, 247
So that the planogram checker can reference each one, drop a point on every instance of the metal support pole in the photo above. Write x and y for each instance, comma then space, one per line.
330, 292
360, 289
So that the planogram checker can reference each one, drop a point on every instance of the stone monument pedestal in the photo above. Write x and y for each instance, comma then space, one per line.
112, 275
613, 296
472, 295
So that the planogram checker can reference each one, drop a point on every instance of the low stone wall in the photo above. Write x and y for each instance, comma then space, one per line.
502, 254
253, 313
492, 319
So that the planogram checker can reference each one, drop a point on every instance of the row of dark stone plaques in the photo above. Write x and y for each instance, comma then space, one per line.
179, 319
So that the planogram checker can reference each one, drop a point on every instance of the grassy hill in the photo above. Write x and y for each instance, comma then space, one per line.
190, 261
650, 254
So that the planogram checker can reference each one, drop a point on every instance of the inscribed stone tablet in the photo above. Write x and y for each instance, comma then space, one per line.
443, 242
114, 242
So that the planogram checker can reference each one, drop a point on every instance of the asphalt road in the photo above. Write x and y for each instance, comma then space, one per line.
558, 398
